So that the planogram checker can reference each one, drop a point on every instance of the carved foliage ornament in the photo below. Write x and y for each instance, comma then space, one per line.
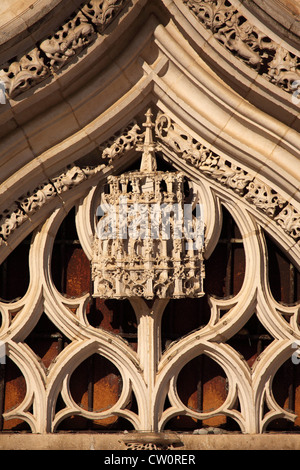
233, 177
80, 30
30, 203
210, 164
235, 32
229, 26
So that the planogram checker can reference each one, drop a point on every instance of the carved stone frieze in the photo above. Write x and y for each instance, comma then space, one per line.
250, 188
229, 26
11, 220
102, 13
54, 52
68, 41
220, 169
234, 31
30, 203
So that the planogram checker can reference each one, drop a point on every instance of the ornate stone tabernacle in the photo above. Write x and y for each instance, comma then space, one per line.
148, 243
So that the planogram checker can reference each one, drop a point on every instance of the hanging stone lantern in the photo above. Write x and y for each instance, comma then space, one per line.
147, 243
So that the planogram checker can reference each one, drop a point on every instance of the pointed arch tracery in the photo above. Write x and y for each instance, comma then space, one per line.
221, 185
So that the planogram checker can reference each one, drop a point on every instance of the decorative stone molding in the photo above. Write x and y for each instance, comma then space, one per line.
80, 30
256, 49
211, 165
230, 28
30, 203
250, 188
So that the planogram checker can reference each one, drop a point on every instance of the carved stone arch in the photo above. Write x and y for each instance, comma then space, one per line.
223, 116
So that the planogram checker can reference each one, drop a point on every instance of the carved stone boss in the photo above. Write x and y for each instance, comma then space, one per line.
144, 245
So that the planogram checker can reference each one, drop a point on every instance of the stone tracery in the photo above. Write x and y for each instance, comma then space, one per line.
150, 374
258, 199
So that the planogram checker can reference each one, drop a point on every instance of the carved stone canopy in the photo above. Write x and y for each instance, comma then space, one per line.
148, 242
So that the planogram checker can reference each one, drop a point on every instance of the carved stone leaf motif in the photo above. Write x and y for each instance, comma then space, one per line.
179, 141
195, 154
284, 69
289, 220
102, 13
228, 25
69, 179
10, 221
69, 40
264, 197
57, 50
230, 175
247, 42
30, 203
23, 73
119, 144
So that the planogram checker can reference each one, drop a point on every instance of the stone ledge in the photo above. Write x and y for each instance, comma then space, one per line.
112, 442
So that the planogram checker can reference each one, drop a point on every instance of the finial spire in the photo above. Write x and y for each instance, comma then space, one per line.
148, 163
